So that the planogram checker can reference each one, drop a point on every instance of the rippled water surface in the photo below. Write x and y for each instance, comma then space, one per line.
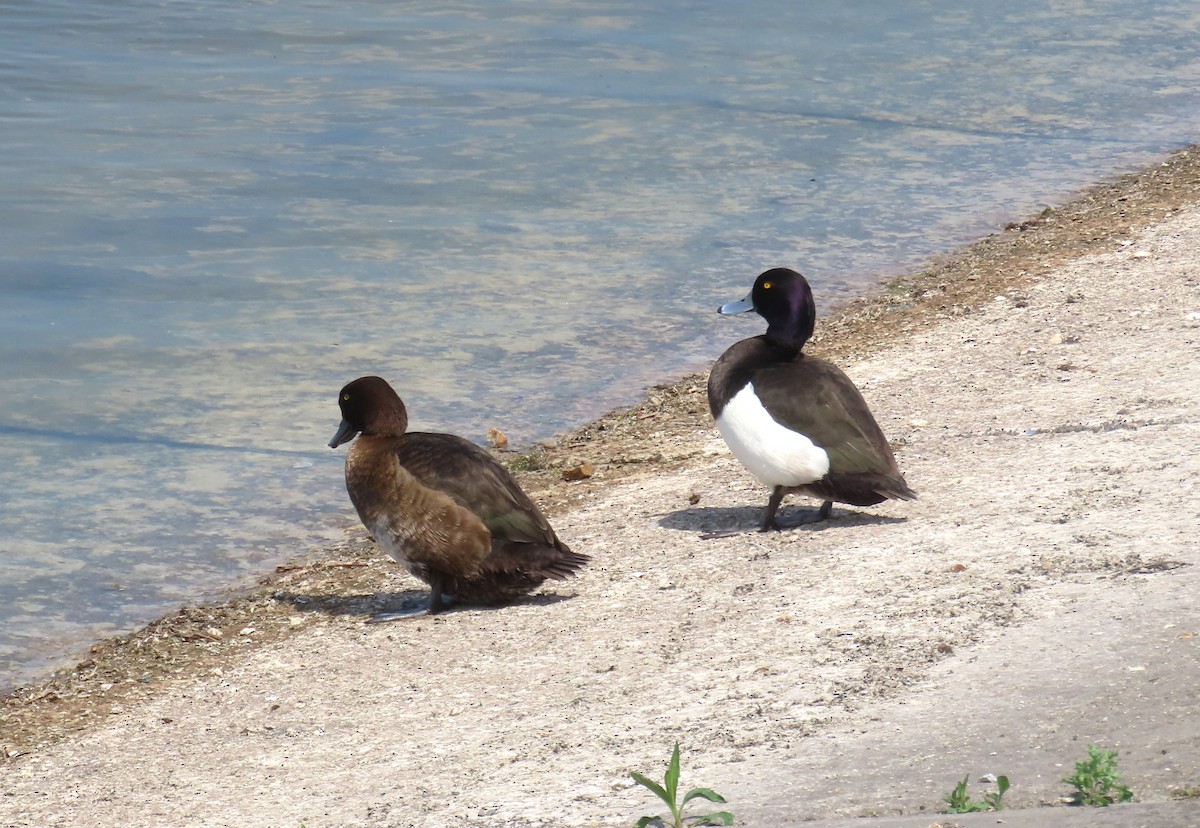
215, 214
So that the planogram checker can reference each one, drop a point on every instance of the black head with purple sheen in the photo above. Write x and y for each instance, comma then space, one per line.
783, 298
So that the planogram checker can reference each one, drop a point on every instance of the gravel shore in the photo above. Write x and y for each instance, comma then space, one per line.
1040, 596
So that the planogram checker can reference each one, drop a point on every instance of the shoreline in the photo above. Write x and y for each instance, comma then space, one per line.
950, 286
665, 433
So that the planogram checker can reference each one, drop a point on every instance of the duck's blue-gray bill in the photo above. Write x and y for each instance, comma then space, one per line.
345, 434
740, 306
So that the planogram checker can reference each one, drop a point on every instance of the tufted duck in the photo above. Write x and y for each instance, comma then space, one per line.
797, 423
442, 507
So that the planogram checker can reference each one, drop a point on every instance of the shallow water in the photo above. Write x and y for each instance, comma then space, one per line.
521, 214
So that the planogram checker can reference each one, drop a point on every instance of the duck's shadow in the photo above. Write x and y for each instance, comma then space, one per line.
722, 521
367, 605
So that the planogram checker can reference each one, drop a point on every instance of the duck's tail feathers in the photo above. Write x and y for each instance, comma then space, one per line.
897, 490
535, 561
564, 565
859, 489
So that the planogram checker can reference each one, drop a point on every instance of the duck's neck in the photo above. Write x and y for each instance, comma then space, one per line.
387, 423
792, 327
791, 335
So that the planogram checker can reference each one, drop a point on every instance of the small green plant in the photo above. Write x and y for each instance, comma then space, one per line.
532, 460
668, 792
960, 803
1096, 779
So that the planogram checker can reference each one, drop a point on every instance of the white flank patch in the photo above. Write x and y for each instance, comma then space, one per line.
774, 454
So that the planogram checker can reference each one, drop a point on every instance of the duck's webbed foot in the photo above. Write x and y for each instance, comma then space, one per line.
769, 523
806, 518
437, 602
398, 615
814, 516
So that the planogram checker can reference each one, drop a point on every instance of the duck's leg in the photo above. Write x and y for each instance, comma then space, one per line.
768, 523
768, 519
805, 519
437, 602
817, 516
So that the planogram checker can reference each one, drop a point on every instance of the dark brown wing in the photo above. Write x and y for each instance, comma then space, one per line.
474, 479
525, 550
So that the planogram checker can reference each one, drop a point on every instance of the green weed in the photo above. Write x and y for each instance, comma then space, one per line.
532, 460
960, 803
1096, 780
668, 792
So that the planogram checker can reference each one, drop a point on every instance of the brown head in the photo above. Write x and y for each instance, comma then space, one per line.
370, 406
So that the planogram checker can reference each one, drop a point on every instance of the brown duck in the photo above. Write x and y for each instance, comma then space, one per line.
796, 422
442, 507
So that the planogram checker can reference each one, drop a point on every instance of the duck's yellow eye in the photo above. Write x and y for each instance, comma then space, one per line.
345, 398
766, 285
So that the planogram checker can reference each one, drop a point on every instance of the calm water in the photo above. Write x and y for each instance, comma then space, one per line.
214, 214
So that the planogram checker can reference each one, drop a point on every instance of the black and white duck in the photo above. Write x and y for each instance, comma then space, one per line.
797, 423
